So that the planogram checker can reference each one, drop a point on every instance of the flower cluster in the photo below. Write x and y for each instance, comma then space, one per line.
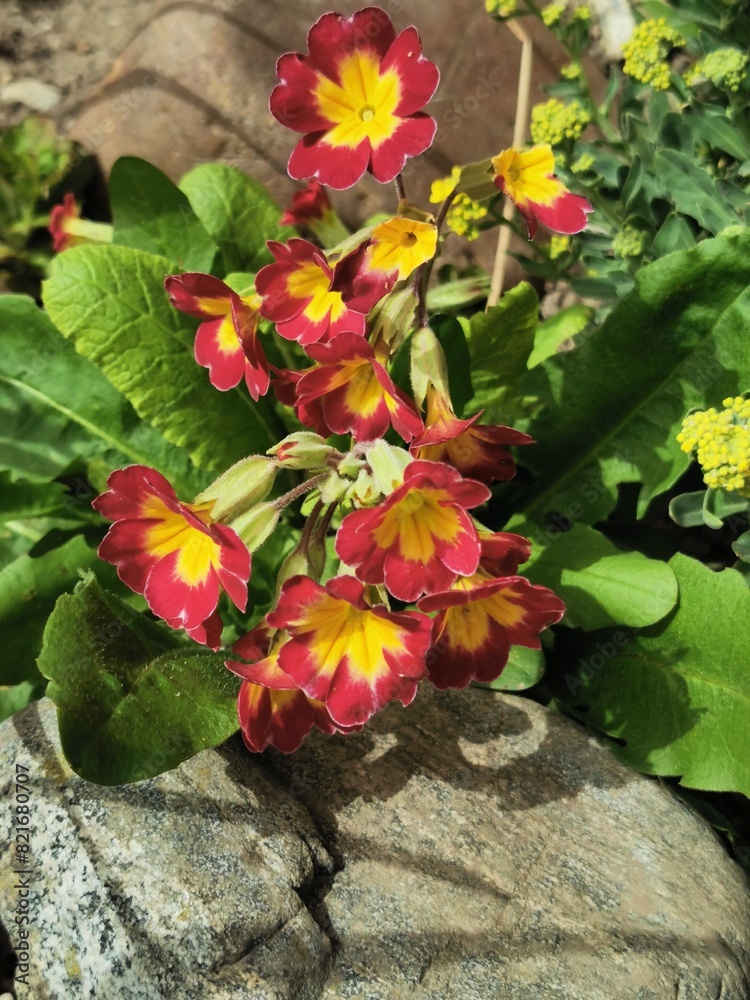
629, 241
646, 52
725, 68
553, 122
464, 212
386, 525
553, 13
501, 8
720, 442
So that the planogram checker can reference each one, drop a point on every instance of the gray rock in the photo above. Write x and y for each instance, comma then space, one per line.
473, 846
33, 94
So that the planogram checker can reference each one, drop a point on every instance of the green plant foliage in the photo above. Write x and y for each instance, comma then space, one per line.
524, 669
29, 588
58, 407
133, 701
678, 693
151, 213
500, 343
238, 214
611, 417
601, 584
110, 301
553, 332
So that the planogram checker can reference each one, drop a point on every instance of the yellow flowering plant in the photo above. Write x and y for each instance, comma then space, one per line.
663, 154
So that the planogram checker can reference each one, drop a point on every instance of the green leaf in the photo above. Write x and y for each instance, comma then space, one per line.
601, 584
151, 213
13, 699
57, 406
692, 191
110, 301
678, 694
741, 546
238, 214
524, 669
687, 509
552, 332
132, 700
713, 126
500, 343
29, 588
674, 234
453, 295
450, 333
616, 403
24, 500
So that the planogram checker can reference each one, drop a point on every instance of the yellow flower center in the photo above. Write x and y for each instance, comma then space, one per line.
171, 532
363, 105
401, 245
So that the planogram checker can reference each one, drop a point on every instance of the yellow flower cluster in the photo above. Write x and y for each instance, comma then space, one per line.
629, 242
582, 13
584, 162
464, 212
553, 121
647, 50
724, 68
571, 72
558, 245
501, 8
720, 441
552, 13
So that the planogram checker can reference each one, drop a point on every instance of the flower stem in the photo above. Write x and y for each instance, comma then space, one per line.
286, 498
400, 189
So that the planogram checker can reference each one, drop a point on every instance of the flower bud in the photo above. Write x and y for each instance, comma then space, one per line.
303, 450
240, 487
428, 365
256, 525
387, 464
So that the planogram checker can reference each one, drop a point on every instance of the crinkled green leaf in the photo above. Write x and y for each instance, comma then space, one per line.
677, 694
150, 213
133, 700
237, 212
61, 407
601, 584
616, 403
692, 190
110, 301
13, 699
24, 500
500, 343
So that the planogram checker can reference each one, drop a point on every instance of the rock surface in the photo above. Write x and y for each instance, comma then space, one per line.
475, 846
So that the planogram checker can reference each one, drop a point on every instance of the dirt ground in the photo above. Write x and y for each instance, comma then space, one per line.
65, 45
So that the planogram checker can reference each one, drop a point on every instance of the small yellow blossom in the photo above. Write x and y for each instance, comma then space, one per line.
464, 213
725, 68
501, 8
647, 50
553, 121
582, 13
558, 245
720, 441
552, 13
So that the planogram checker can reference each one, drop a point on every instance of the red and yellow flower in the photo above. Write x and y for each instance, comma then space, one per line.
68, 229
502, 552
346, 653
172, 552
350, 392
398, 246
357, 97
227, 342
420, 538
478, 620
526, 176
307, 299
272, 708
477, 451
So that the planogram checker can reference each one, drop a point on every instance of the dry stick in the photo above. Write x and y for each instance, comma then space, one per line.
519, 134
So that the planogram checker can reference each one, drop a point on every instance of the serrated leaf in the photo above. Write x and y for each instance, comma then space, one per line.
133, 701
110, 302
500, 342
678, 694
692, 190
237, 212
150, 213
601, 584
616, 403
